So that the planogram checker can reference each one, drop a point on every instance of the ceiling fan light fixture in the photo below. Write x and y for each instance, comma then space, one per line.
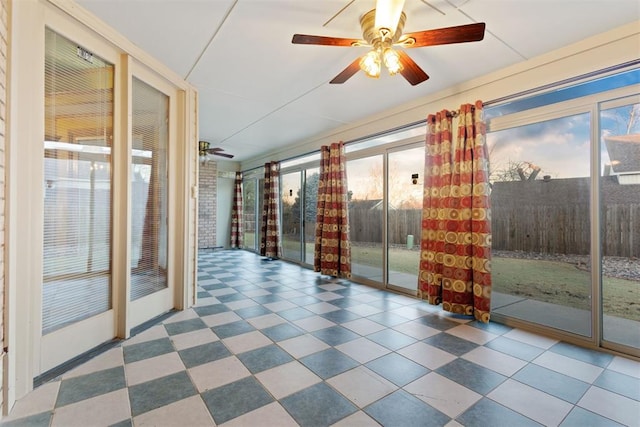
388, 14
371, 64
392, 61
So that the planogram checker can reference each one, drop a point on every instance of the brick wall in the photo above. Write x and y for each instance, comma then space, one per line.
4, 34
207, 190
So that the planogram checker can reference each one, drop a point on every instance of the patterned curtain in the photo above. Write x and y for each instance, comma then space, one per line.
236, 213
455, 252
332, 253
270, 246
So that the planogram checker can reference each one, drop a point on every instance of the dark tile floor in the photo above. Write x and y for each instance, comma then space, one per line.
273, 344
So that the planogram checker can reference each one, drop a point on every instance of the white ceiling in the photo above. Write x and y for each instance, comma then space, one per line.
259, 93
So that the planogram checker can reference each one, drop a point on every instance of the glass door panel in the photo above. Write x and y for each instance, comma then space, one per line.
620, 224
540, 176
78, 189
77, 305
149, 183
291, 210
249, 213
404, 216
312, 176
365, 182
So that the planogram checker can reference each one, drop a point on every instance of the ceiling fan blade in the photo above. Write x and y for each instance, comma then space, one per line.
218, 153
347, 73
448, 35
213, 150
323, 40
410, 70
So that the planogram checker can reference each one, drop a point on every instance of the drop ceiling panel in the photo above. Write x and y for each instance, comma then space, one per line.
222, 114
253, 57
533, 27
284, 128
174, 32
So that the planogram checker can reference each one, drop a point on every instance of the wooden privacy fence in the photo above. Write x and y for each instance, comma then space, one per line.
556, 229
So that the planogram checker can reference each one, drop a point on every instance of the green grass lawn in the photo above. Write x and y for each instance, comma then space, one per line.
564, 284
547, 281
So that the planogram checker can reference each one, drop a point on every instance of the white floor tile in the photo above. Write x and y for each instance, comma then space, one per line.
245, 342
530, 402
217, 373
303, 345
357, 419
410, 313
236, 305
152, 368
220, 318
443, 394
314, 323
327, 296
495, 360
181, 315
362, 386
272, 414
39, 400
286, 379
566, 365
256, 293
364, 310
279, 306
364, 326
266, 321
153, 333
611, 405
187, 412
625, 366
193, 338
530, 338
416, 330
427, 355
321, 307
472, 334
363, 350
102, 410
108, 359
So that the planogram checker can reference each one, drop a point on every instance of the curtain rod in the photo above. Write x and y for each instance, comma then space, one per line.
456, 112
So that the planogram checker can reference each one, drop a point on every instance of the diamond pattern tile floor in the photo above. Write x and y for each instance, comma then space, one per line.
274, 344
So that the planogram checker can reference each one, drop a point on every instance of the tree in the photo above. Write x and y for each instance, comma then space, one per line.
515, 171
310, 200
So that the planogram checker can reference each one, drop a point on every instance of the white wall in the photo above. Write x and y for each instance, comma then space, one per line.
225, 201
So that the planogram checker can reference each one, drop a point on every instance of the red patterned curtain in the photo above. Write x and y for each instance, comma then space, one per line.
332, 254
236, 213
455, 251
270, 246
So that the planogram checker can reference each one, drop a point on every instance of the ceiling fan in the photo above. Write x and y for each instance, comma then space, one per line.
382, 31
204, 150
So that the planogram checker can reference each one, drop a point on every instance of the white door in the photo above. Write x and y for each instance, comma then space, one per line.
77, 286
153, 140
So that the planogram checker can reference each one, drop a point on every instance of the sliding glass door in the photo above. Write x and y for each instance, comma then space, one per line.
620, 221
404, 216
292, 199
540, 203
365, 180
